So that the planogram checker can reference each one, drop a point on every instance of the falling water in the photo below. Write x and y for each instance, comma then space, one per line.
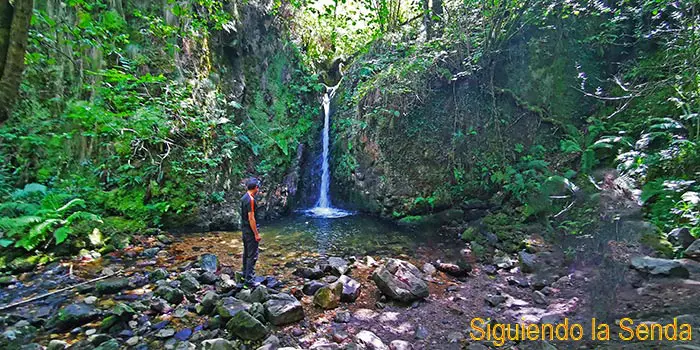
323, 206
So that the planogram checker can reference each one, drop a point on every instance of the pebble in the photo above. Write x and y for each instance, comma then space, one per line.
132, 341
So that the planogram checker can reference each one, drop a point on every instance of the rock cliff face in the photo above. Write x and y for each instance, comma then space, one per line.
413, 135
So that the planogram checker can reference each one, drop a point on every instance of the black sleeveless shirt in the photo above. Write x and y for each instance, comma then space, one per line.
247, 205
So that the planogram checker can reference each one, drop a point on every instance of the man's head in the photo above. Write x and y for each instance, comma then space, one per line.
252, 185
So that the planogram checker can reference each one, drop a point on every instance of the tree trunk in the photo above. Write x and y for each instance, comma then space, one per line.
5, 23
427, 23
12, 64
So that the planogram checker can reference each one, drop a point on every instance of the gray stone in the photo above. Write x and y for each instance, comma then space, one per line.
420, 333
312, 286
228, 307
111, 344
171, 295
659, 267
189, 284
370, 341
327, 297
165, 333
495, 300
310, 273
111, 285
400, 345
400, 280
209, 262
539, 298
283, 309
75, 315
429, 269
208, 277
208, 302
349, 289
680, 237
693, 250
528, 262
342, 317
337, 266
57, 345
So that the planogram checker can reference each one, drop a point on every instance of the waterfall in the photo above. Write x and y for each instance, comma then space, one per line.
323, 200
323, 205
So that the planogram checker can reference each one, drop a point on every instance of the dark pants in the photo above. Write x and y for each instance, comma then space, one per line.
250, 256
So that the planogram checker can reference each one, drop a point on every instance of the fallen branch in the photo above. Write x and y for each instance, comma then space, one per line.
13, 305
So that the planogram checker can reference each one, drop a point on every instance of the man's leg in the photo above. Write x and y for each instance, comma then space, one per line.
244, 257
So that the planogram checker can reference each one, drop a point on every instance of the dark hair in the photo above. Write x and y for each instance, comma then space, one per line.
251, 183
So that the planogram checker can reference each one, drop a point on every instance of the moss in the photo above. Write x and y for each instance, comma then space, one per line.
469, 234
658, 242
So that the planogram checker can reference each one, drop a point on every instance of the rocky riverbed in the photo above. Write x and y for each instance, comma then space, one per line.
180, 292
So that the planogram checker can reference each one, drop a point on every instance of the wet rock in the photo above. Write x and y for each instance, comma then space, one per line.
209, 262
158, 274
57, 345
229, 307
693, 250
420, 333
74, 315
245, 326
680, 237
327, 298
370, 341
22, 264
208, 278
337, 266
400, 280
539, 298
217, 344
171, 295
429, 269
659, 267
111, 285
283, 309
528, 262
400, 345
349, 289
312, 286
453, 269
310, 273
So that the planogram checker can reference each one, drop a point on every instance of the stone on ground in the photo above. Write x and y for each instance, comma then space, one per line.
693, 250
217, 344
281, 309
659, 267
209, 262
400, 345
337, 266
111, 285
400, 280
245, 326
327, 297
370, 341
349, 289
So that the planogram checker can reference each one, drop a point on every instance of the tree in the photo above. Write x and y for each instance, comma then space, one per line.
15, 18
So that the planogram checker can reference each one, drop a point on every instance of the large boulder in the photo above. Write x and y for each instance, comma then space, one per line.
281, 309
74, 315
245, 326
349, 289
659, 267
229, 307
400, 280
693, 250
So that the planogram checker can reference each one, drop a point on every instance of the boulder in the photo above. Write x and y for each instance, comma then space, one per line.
327, 298
680, 237
349, 289
400, 280
217, 344
111, 285
454, 269
245, 326
171, 295
693, 250
208, 302
659, 267
312, 286
370, 341
337, 266
528, 262
258, 295
74, 315
281, 309
209, 262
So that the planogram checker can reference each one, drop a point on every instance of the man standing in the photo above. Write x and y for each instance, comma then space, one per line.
249, 227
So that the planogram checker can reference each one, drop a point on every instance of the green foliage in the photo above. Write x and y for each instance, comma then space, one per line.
34, 215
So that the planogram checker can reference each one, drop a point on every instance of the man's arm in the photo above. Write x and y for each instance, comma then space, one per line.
251, 220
